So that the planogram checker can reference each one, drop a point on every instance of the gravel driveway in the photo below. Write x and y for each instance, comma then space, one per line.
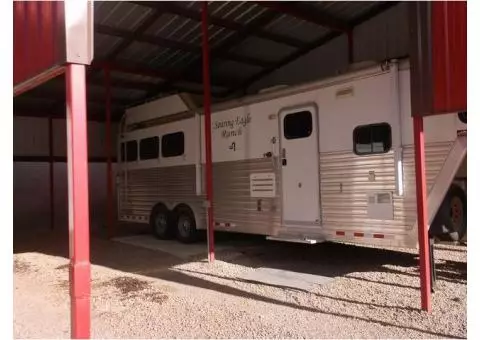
140, 293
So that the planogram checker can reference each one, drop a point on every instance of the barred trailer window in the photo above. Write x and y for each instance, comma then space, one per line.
372, 139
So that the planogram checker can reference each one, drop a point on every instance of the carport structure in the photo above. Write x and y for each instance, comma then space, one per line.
144, 50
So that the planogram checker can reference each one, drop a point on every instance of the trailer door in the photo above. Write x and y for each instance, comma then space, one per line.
300, 166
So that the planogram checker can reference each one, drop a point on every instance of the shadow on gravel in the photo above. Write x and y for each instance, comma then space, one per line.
327, 259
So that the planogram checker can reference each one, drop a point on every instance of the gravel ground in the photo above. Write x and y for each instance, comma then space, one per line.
139, 293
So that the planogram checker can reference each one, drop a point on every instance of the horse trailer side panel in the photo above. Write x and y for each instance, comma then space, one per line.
144, 188
236, 206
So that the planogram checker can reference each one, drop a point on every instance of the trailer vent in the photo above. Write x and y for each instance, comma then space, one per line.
262, 185
380, 206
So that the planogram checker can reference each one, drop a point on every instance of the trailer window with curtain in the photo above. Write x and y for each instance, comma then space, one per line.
372, 139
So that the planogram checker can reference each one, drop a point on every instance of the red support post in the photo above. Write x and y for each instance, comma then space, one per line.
79, 230
208, 132
108, 152
51, 173
423, 242
350, 46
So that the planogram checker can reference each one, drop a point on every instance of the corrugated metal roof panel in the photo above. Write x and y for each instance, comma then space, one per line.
104, 44
233, 69
176, 28
263, 49
141, 52
296, 28
120, 14
239, 12
345, 10
135, 77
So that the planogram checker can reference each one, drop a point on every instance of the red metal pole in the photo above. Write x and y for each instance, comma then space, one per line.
208, 132
79, 233
350, 46
108, 151
423, 242
51, 172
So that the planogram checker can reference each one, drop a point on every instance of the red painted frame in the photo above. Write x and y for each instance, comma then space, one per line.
79, 226
208, 132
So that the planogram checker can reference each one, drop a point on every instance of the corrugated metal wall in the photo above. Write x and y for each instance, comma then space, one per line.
385, 36
31, 179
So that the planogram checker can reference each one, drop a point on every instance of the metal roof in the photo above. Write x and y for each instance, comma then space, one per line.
154, 48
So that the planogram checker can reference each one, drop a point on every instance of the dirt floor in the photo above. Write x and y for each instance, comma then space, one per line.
142, 293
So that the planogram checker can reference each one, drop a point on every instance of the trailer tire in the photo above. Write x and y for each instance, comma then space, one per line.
160, 222
450, 223
185, 225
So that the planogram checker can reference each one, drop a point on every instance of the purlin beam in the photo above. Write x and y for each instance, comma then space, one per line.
309, 14
171, 7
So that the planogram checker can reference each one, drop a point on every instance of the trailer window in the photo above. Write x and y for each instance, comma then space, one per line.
173, 144
149, 148
297, 125
132, 151
372, 139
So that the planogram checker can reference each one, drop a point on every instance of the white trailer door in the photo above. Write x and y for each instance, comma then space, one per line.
300, 167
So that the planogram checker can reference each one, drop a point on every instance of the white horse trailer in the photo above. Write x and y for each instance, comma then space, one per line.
331, 160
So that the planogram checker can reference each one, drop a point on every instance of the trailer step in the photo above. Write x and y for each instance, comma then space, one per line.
293, 239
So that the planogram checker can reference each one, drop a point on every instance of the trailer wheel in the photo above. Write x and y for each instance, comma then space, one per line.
451, 219
160, 222
186, 226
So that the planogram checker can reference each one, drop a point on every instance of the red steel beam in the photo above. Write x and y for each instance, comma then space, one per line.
79, 233
423, 242
51, 172
108, 152
208, 132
